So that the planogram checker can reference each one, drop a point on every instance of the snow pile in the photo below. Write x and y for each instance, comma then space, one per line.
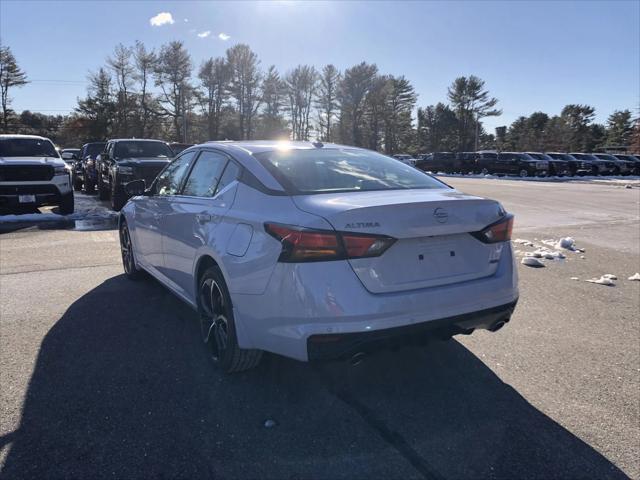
566, 243
543, 252
524, 242
635, 277
603, 280
532, 262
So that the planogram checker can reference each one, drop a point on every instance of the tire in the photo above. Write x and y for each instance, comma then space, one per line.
67, 204
89, 187
217, 326
77, 185
128, 257
103, 192
118, 198
484, 171
523, 173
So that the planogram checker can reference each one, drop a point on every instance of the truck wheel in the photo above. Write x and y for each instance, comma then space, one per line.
89, 187
103, 192
217, 325
67, 204
118, 198
524, 173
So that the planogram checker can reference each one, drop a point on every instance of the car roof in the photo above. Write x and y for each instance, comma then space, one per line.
134, 140
258, 146
36, 137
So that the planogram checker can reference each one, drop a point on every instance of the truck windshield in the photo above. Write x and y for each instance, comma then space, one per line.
137, 149
27, 147
93, 149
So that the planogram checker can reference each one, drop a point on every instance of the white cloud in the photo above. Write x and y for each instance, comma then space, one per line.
160, 19
224, 36
204, 34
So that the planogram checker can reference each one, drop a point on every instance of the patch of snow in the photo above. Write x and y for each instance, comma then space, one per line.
532, 262
575, 278
635, 277
603, 280
609, 276
567, 243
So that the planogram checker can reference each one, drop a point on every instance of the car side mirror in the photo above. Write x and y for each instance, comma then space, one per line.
135, 188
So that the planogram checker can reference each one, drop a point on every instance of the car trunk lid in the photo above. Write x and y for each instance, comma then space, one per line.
432, 227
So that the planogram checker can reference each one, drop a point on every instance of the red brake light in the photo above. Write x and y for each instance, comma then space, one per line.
358, 246
497, 232
307, 245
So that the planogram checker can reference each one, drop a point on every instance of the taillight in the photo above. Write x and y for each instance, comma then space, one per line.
496, 232
308, 245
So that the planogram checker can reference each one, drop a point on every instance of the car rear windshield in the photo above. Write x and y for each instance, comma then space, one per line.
94, 149
342, 170
27, 147
135, 149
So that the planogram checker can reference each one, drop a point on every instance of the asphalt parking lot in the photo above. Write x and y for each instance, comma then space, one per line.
104, 378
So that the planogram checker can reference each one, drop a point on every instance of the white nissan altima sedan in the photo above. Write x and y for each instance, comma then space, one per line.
318, 251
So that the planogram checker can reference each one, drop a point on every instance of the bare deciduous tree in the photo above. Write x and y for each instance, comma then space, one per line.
120, 64
145, 64
301, 84
214, 75
327, 100
173, 72
245, 85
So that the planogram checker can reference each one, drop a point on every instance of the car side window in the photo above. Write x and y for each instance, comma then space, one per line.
231, 173
205, 175
169, 181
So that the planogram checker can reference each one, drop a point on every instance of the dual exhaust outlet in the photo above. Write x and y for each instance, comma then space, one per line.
359, 357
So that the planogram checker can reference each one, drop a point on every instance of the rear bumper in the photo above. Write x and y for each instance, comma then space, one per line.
327, 298
340, 346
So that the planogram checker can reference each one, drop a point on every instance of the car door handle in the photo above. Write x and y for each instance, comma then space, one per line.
203, 218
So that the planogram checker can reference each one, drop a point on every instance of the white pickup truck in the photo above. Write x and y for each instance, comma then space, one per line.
33, 174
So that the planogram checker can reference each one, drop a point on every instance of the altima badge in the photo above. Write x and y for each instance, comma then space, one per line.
441, 215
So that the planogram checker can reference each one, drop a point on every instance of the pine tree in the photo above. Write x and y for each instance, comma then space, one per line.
11, 75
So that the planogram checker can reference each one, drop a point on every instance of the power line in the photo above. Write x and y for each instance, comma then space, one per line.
61, 82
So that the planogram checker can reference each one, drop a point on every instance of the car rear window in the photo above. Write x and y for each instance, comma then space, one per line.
342, 169
27, 147
135, 149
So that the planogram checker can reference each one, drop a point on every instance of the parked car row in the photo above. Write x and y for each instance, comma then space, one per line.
108, 166
530, 164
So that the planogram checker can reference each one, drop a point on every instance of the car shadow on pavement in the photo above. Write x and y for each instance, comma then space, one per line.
123, 388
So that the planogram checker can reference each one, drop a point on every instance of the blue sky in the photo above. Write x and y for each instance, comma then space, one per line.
533, 55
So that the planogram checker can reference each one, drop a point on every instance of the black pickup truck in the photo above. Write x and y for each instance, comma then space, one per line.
125, 160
